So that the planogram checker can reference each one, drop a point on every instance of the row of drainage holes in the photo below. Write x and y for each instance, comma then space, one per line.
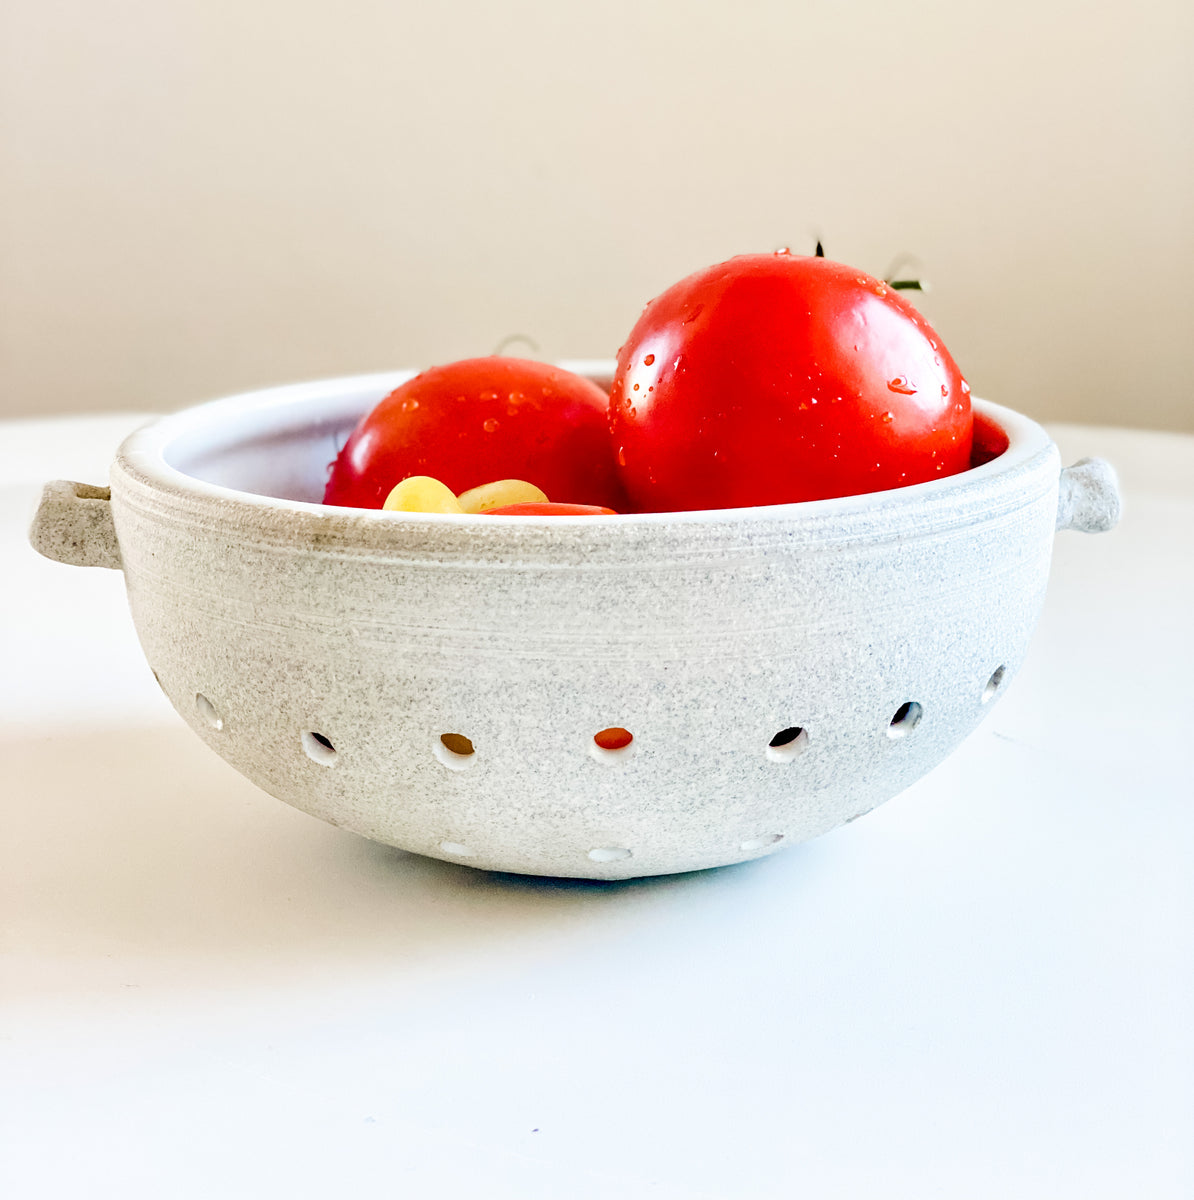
610, 740
456, 751
607, 854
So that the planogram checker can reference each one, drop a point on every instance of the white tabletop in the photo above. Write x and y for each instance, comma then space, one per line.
983, 989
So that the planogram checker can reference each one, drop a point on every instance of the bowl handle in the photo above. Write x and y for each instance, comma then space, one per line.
1088, 497
73, 524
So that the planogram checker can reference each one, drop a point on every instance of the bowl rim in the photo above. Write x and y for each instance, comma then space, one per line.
143, 456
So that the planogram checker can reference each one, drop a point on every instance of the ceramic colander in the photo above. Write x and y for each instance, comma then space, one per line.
454, 684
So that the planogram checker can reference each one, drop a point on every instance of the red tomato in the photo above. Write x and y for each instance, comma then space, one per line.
478, 420
773, 378
532, 508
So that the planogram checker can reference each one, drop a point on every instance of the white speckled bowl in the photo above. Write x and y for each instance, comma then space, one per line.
323, 652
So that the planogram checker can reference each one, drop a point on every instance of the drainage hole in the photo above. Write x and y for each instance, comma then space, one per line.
906, 719
455, 751
609, 853
788, 744
613, 738
612, 744
207, 710
319, 749
993, 684
762, 843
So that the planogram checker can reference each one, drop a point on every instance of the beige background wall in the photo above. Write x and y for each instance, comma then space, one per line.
207, 195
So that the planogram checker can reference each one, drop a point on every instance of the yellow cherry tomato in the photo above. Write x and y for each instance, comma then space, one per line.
500, 493
421, 493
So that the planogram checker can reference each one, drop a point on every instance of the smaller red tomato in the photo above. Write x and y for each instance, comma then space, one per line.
538, 509
478, 420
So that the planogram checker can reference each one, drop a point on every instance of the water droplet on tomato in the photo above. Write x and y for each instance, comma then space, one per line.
650, 389
965, 388
932, 343
489, 395
901, 384
648, 360
621, 456
636, 387
944, 390
692, 316
784, 250
490, 425
888, 418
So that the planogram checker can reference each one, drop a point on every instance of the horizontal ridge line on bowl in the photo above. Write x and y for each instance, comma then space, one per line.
696, 634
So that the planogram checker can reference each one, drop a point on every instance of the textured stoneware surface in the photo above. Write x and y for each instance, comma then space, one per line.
323, 652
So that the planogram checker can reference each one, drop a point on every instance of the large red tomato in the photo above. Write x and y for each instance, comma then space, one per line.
773, 378
478, 420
